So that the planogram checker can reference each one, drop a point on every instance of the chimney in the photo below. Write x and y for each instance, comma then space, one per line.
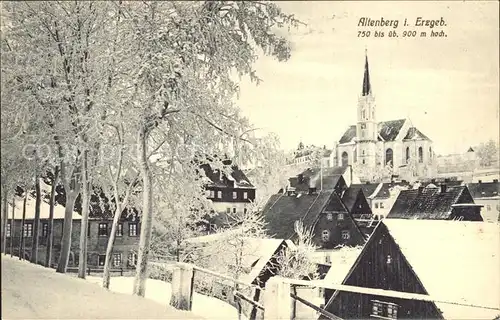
312, 190
443, 188
420, 190
495, 180
480, 181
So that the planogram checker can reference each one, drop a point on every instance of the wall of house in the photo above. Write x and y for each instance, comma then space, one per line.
381, 266
329, 221
491, 210
96, 244
14, 239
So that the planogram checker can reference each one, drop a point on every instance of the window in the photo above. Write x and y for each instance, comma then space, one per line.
132, 259
8, 231
219, 194
228, 210
388, 157
488, 207
363, 161
235, 195
117, 259
420, 155
376, 205
363, 152
119, 230
345, 234
132, 229
101, 260
45, 229
363, 114
234, 210
384, 310
362, 133
340, 216
103, 230
381, 205
245, 195
345, 159
245, 210
407, 154
363, 126
329, 216
28, 229
325, 235
328, 259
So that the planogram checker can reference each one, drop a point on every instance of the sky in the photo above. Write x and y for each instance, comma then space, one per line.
448, 87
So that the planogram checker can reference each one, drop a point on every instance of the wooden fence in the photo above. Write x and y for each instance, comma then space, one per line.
279, 297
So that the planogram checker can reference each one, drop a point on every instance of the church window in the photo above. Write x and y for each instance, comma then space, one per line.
345, 159
430, 152
363, 161
363, 152
420, 155
388, 157
363, 126
362, 133
363, 114
407, 154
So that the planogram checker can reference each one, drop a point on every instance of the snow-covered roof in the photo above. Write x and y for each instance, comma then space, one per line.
30, 209
341, 262
256, 252
455, 261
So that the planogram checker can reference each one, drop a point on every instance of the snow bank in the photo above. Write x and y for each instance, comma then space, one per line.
160, 291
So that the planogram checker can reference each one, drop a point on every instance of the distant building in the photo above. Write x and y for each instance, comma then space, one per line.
381, 196
458, 162
456, 261
99, 228
230, 194
328, 212
311, 155
487, 194
374, 145
436, 203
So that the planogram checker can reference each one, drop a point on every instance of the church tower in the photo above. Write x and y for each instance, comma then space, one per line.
366, 127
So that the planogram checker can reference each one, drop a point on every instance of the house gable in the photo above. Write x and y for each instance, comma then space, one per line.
371, 270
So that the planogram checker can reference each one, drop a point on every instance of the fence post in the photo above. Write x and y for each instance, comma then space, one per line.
277, 300
182, 286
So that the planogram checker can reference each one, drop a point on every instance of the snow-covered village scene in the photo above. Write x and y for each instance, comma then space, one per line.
250, 160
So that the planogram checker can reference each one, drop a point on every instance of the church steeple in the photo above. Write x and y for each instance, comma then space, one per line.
367, 88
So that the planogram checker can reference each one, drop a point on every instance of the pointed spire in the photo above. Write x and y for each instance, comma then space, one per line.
367, 88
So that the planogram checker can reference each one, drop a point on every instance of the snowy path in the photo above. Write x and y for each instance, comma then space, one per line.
34, 292
160, 291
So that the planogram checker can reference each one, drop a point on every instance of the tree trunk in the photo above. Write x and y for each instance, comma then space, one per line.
82, 266
5, 220
66, 237
147, 216
50, 233
12, 227
34, 243
111, 241
21, 244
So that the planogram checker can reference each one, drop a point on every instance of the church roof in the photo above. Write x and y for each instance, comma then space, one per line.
414, 133
367, 89
389, 130
348, 135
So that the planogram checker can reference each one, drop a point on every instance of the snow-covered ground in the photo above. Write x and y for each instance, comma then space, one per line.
34, 292
160, 291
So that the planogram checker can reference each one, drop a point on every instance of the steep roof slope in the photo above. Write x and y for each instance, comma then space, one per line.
281, 211
428, 203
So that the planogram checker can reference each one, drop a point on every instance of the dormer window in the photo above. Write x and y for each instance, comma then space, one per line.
219, 194
329, 216
340, 216
245, 195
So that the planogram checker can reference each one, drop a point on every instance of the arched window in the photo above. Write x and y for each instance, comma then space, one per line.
407, 154
345, 159
420, 154
388, 157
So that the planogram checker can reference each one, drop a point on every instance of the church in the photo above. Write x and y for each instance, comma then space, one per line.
394, 145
